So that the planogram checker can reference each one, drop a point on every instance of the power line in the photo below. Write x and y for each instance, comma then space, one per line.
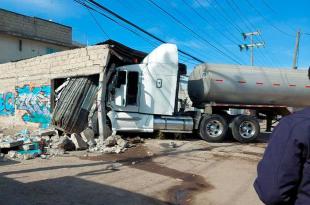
207, 21
183, 58
116, 22
270, 23
274, 11
268, 6
234, 6
198, 29
138, 27
100, 27
197, 36
225, 16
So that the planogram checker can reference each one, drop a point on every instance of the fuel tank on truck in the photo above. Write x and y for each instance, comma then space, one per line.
245, 85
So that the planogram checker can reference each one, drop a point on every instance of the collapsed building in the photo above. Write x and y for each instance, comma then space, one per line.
65, 90
30, 88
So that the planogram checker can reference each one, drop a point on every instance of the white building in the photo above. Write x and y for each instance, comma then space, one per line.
24, 37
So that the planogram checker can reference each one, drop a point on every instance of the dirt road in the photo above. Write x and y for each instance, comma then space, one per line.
156, 172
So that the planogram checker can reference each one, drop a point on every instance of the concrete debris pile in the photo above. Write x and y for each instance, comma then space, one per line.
21, 146
49, 143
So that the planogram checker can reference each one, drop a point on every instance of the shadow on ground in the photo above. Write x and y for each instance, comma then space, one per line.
68, 191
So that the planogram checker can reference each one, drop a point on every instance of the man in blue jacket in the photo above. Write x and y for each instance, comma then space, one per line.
284, 172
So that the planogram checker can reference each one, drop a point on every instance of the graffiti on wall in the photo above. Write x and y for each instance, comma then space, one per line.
36, 102
7, 104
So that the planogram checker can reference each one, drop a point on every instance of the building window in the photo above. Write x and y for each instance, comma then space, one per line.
51, 50
20, 45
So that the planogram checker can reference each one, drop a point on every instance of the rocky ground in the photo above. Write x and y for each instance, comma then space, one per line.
150, 172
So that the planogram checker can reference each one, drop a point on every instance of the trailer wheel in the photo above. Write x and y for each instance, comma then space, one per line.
245, 128
213, 128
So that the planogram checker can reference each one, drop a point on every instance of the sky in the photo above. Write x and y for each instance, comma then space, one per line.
210, 30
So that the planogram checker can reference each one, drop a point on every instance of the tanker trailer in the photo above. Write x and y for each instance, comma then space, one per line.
262, 91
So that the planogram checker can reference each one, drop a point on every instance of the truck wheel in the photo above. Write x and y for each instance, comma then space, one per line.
213, 128
245, 128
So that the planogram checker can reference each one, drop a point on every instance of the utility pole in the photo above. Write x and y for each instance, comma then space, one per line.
296, 50
252, 45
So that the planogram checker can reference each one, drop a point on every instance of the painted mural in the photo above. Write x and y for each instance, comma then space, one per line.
7, 104
36, 102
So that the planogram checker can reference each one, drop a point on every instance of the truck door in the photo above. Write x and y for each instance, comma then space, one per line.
127, 90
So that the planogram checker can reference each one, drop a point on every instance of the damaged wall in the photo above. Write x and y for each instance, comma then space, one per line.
25, 86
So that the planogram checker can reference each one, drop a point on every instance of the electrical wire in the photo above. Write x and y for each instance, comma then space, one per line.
269, 22
224, 15
196, 35
207, 21
234, 6
137, 27
198, 51
116, 22
198, 29
100, 27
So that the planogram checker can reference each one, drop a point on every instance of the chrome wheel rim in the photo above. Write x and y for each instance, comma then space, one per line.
214, 128
247, 129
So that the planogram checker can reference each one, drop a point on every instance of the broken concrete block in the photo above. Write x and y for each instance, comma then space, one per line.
11, 144
122, 143
109, 150
88, 136
118, 150
79, 143
29, 156
55, 138
28, 147
12, 154
48, 132
110, 141
64, 143
47, 139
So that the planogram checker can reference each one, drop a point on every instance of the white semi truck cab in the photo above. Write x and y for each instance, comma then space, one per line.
143, 97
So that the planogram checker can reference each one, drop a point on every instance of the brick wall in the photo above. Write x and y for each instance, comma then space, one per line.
25, 85
34, 28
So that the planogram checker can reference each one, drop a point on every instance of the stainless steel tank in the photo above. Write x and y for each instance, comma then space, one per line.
233, 84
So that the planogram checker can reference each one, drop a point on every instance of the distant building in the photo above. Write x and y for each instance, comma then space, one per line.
24, 37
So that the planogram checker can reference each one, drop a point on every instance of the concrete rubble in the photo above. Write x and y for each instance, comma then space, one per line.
45, 144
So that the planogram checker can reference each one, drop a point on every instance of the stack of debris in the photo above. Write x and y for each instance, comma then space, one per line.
47, 143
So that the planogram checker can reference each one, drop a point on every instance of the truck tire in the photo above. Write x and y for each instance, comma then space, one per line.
245, 128
213, 128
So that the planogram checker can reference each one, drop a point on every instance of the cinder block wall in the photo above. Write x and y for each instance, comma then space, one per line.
25, 86
33, 27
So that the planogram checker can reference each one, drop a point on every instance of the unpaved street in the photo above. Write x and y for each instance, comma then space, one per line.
156, 172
